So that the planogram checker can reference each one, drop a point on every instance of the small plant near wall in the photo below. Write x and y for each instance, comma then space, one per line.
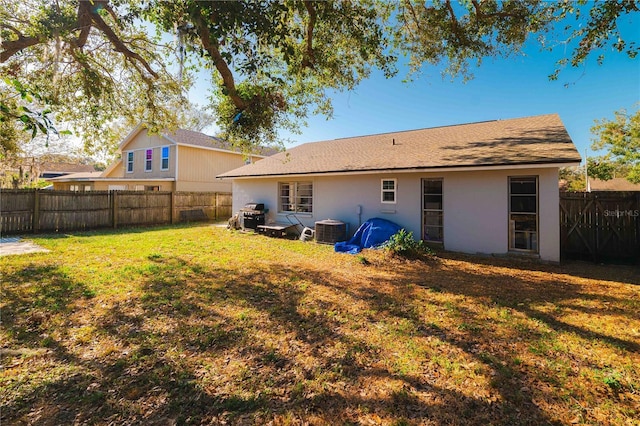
402, 244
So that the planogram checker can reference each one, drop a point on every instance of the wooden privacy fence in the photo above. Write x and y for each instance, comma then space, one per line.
600, 226
52, 211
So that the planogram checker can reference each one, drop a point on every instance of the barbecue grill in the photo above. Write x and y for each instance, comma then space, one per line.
252, 215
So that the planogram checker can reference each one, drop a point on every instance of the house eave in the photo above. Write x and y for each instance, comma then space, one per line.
507, 166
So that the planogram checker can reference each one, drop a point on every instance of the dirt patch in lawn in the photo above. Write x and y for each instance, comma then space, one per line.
207, 326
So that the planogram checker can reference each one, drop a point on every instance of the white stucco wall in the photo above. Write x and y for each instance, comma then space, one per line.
475, 203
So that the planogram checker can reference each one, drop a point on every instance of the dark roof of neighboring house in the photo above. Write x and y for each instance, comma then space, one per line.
615, 184
521, 141
193, 138
56, 167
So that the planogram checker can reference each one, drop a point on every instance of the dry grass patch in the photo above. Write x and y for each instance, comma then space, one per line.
200, 325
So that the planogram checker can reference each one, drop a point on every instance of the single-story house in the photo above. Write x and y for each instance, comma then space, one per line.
182, 160
489, 187
52, 169
25, 170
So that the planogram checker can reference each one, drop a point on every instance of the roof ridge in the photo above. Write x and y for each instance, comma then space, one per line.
439, 127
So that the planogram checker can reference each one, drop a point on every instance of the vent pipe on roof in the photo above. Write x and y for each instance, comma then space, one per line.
393, 141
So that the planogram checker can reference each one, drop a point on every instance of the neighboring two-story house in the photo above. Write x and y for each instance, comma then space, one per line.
182, 160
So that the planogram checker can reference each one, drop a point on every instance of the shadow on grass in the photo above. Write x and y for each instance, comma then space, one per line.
621, 273
204, 344
32, 295
273, 379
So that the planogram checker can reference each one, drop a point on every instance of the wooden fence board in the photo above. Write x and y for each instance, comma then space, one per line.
16, 209
53, 211
135, 208
212, 205
600, 226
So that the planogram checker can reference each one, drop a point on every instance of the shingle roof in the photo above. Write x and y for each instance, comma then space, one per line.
532, 140
615, 184
193, 138
53, 167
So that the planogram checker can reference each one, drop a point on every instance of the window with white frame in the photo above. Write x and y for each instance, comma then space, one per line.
148, 163
388, 191
165, 158
523, 213
296, 197
130, 162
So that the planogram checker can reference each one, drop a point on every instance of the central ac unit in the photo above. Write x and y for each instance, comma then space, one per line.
331, 231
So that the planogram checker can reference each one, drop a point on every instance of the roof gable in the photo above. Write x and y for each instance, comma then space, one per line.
131, 136
195, 139
200, 140
531, 140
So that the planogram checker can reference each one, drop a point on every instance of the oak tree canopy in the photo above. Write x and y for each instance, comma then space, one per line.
620, 138
272, 62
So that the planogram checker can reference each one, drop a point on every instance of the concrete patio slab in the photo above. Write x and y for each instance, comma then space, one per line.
17, 246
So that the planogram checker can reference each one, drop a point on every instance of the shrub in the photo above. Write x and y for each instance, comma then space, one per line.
404, 245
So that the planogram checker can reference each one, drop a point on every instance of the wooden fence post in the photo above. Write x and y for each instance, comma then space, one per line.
35, 226
114, 210
216, 207
172, 206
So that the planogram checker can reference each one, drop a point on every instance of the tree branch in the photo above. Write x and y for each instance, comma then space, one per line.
481, 15
84, 25
455, 28
408, 6
12, 29
85, 63
10, 48
118, 45
211, 47
309, 58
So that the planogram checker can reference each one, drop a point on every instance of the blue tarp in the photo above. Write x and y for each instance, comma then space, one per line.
372, 233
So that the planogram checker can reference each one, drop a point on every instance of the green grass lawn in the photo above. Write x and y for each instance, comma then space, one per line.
200, 325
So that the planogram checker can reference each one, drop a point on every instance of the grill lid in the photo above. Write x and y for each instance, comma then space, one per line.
253, 206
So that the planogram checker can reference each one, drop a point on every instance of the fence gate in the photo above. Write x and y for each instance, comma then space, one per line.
600, 226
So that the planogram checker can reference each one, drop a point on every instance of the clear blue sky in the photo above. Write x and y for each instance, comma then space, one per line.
502, 88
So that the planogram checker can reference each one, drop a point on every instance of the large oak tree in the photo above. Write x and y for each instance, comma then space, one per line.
272, 62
